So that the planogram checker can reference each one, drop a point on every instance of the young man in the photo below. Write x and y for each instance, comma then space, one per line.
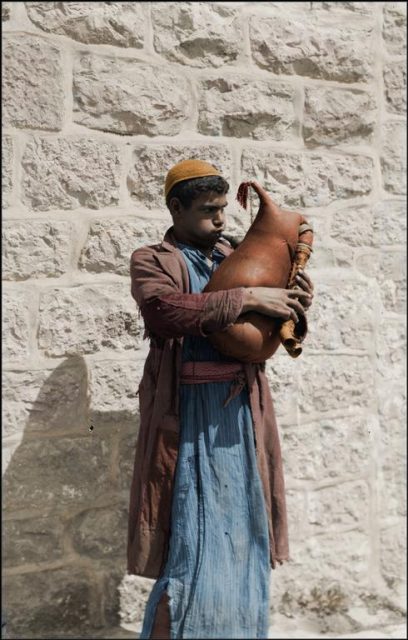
207, 506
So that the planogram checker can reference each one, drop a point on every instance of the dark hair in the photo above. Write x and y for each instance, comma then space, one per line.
188, 190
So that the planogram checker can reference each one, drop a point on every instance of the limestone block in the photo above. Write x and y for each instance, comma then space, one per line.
124, 96
134, 593
335, 383
395, 27
46, 400
197, 34
121, 24
58, 473
32, 83
354, 226
393, 541
32, 540
246, 108
15, 325
324, 568
110, 243
297, 514
49, 603
6, 168
393, 471
283, 378
391, 348
341, 505
330, 448
99, 533
300, 45
342, 316
111, 580
363, 8
395, 85
308, 180
389, 269
393, 157
35, 249
5, 10
113, 387
335, 116
88, 319
151, 163
70, 172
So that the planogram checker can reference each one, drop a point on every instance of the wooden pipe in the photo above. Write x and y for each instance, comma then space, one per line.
275, 246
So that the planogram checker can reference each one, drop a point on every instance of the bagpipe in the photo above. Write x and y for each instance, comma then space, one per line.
275, 246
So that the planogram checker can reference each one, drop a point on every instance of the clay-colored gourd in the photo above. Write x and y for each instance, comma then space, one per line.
274, 247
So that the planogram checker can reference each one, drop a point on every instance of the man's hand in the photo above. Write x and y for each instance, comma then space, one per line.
280, 303
306, 284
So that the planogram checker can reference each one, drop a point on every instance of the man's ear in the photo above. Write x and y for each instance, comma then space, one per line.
175, 207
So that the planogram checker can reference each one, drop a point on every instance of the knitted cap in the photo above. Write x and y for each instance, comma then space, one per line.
187, 169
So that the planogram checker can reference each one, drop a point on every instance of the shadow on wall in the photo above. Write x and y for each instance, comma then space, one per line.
65, 505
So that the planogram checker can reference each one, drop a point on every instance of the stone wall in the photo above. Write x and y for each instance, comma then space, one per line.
99, 100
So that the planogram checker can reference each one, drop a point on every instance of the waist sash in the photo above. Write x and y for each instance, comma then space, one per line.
194, 372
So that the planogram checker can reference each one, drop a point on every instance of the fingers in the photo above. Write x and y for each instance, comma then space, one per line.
298, 293
303, 279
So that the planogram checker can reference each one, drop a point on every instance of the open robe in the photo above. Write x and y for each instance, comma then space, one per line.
160, 285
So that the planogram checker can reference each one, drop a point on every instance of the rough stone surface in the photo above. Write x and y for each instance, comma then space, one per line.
393, 157
319, 450
32, 83
393, 543
338, 506
244, 108
15, 325
117, 23
6, 168
197, 34
47, 601
5, 10
342, 323
113, 386
338, 116
395, 85
59, 472
66, 173
354, 226
53, 401
300, 46
295, 179
110, 243
390, 222
98, 533
395, 27
151, 163
32, 540
127, 97
88, 319
346, 384
35, 249
389, 268
134, 591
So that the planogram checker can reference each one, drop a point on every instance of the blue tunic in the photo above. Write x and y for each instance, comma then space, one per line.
217, 571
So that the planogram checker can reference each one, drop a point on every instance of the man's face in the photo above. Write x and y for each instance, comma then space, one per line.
203, 221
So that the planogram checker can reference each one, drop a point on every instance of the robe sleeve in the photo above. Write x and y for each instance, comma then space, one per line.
169, 313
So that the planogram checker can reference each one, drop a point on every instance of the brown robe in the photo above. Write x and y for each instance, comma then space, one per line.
160, 285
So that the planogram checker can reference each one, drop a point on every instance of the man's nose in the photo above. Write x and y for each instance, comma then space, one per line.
218, 217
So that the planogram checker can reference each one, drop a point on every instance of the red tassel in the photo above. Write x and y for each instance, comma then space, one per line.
242, 194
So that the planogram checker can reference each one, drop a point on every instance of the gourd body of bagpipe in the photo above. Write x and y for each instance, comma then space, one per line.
276, 245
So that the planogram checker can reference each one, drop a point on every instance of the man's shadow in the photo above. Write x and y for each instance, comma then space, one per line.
65, 505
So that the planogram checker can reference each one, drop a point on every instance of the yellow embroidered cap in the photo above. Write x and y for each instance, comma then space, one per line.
187, 169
